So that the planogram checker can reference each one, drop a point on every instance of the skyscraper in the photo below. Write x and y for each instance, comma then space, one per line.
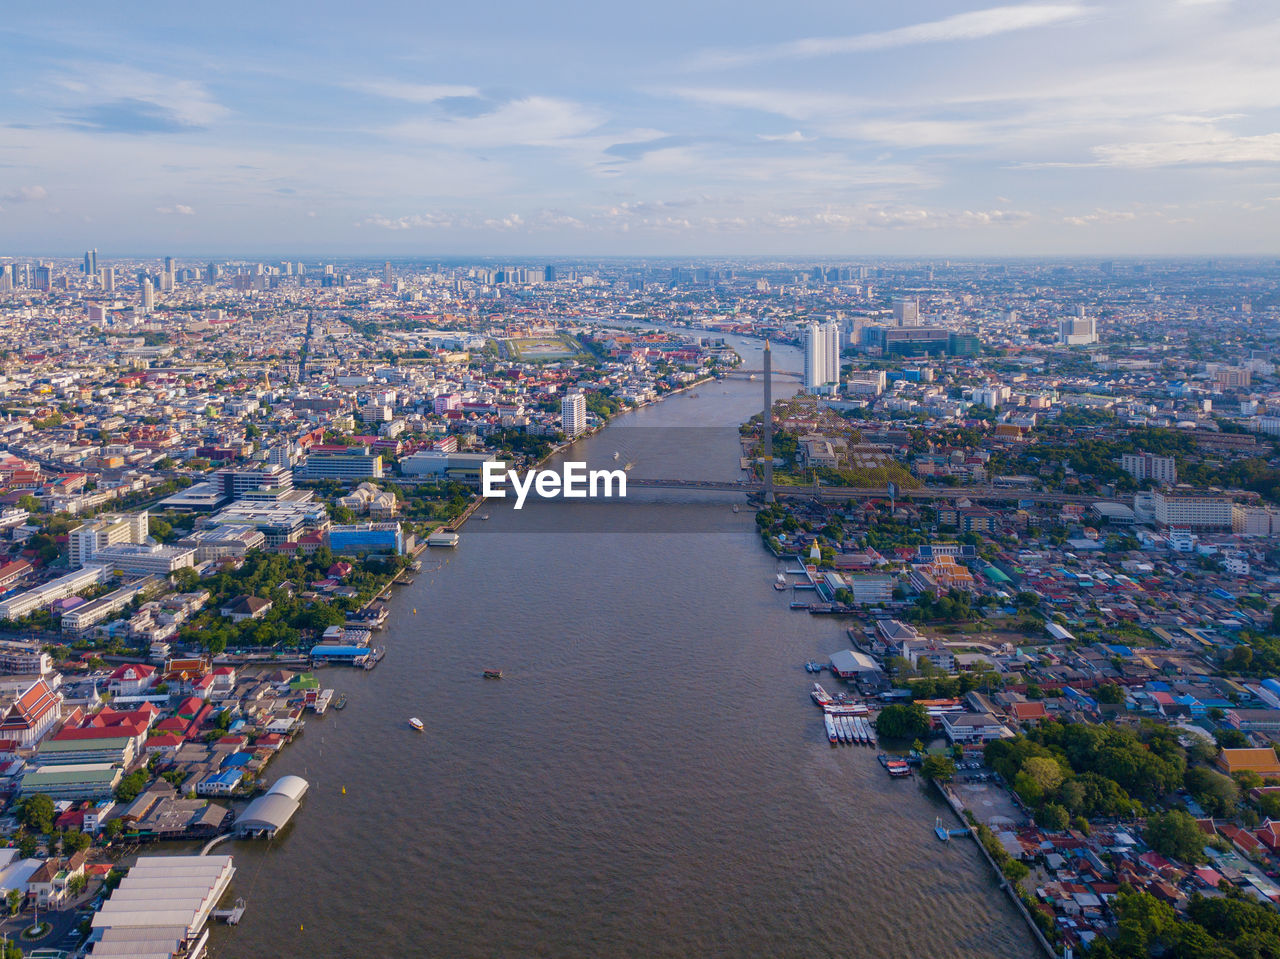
386, 272
107, 278
1077, 331
832, 331
148, 296
821, 354
168, 264
573, 414
91, 263
44, 277
906, 311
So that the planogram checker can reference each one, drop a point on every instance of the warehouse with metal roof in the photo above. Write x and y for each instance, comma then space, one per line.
271, 811
161, 907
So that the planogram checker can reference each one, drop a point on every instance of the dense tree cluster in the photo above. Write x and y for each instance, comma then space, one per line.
903, 721
1228, 927
1090, 770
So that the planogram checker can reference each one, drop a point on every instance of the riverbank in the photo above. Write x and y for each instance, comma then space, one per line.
649, 745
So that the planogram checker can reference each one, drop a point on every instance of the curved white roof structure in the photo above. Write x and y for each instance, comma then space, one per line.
271, 812
295, 787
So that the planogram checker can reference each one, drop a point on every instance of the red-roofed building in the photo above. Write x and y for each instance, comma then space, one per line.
1269, 835
32, 714
1027, 712
1240, 838
165, 743
131, 679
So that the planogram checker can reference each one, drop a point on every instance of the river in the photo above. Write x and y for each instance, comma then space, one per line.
649, 778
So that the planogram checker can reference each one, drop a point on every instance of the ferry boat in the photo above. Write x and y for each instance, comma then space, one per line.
416, 723
894, 767
341, 701
820, 695
493, 674
831, 727
780, 582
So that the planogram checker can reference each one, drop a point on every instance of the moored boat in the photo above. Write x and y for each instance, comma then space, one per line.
820, 695
831, 727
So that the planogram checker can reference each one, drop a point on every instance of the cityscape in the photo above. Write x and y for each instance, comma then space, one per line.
559, 486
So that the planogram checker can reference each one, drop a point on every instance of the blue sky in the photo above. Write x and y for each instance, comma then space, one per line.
933, 128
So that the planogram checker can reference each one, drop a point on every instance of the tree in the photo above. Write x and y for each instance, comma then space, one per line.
36, 813
73, 840
1109, 693
1053, 817
1175, 835
1229, 738
938, 768
903, 721
1216, 793
1046, 772
14, 899
128, 788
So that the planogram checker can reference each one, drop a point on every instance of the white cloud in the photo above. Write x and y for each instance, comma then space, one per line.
431, 221
795, 136
412, 92
532, 121
1101, 216
1263, 149
25, 194
187, 101
177, 209
973, 25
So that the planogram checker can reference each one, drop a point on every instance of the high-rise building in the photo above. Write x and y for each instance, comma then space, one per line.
168, 264
1143, 466
906, 311
91, 263
821, 355
211, 273
832, 330
1077, 331
107, 278
386, 272
573, 414
44, 277
548, 274
148, 296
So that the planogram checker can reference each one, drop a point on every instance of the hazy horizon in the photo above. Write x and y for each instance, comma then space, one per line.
1066, 128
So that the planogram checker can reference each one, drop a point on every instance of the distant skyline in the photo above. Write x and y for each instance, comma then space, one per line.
1126, 127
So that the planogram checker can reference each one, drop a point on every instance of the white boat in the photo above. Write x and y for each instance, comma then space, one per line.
820, 695
615, 454
416, 723
847, 723
831, 726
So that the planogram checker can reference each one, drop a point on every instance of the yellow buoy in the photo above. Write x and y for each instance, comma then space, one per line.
344, 790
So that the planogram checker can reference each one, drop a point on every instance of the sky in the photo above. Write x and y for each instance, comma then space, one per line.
714, 127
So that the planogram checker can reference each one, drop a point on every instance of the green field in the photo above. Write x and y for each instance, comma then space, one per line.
534, 348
